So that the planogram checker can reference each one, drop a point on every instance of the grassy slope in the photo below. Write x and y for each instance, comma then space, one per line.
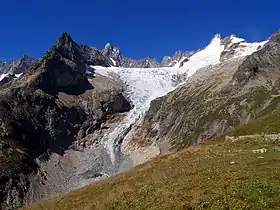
199, 177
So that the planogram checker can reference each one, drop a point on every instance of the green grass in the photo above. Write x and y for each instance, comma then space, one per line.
269, 124
200, 177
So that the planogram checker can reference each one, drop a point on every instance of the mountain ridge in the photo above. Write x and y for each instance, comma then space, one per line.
115, 56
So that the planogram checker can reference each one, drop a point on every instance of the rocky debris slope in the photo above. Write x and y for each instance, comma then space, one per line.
52, 108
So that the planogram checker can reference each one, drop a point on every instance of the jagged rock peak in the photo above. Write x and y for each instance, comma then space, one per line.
24, 56
228, 39
64, 39
113, 53
217, 36
109, 48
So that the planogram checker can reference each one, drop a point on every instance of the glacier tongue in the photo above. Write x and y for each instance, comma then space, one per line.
144, 85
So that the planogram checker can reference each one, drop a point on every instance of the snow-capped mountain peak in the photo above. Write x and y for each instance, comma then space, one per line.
238, 47
217, 51
217, 36
210, 55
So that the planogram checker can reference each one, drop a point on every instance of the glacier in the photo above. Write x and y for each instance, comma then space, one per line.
147, 84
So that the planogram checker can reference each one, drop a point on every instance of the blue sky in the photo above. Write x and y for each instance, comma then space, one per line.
138, 27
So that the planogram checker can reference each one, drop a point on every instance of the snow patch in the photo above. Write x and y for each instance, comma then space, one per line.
18, 75
235, 39
114, 62
102, 70
2, 76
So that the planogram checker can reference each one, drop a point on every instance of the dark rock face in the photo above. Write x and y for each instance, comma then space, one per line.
113, 53
147, 62
37, 122
46, 111
79, 56
16, 165
32, 124
58, 76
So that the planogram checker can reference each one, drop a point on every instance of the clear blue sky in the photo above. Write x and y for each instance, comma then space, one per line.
138, 27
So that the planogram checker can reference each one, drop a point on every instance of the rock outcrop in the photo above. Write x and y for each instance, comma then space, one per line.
147, 62
119, 60
170, 61
113, 53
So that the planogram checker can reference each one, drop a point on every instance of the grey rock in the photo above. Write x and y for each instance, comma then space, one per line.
16, 66
114, 53
169, 61
147, 62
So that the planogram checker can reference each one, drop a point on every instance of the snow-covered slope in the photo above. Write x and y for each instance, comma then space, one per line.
211, 55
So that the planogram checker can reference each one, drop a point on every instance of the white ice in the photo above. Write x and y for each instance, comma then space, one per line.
18, 75
2, 76
114, 62
235, 39
248, 48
